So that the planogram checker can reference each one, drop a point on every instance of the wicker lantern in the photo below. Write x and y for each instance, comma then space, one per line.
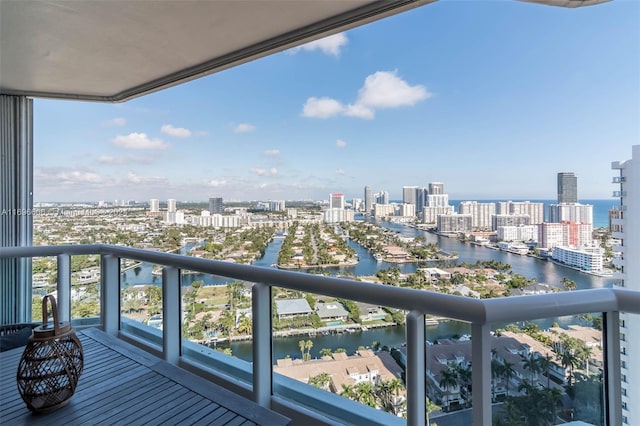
51, 363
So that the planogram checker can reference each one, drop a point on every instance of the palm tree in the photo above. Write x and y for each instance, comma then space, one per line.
464, 376
308, 345
364, 394
322, 381
545, 366
497, 370
531, 363
301, 345
326, 352
448, 381
569, 360
508, 373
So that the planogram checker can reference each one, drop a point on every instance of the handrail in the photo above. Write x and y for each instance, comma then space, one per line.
480, 313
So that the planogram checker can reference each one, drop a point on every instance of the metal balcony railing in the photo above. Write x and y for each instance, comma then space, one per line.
480, 313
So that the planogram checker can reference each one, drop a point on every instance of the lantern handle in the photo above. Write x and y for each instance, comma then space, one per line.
54, 311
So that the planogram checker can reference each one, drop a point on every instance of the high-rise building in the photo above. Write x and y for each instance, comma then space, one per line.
336, 201
628, 231
454, 223
436, 188
480, 213
565, 234
216, 205
534, 210
422, 197
382, 197
154, 205
438, 200
567, 187
368, 199
409, 195
171, 205
571, 212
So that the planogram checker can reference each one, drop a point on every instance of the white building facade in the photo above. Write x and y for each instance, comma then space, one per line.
628, 231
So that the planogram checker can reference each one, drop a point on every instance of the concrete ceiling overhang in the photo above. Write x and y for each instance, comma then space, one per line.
115, 50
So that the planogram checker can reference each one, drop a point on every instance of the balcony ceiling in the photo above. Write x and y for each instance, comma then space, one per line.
114, 50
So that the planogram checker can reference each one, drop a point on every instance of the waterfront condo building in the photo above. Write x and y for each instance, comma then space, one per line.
171, 205
534, 210
454, 223
565, 234
436, 188
154, 205
567, 187
480, 213
368, 200
215, 205
410, 195
628, 225
336, 201
574, 212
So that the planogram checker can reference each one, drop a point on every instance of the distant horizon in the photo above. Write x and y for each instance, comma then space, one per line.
206, 201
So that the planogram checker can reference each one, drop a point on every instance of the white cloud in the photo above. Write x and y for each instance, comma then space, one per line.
216, 183
330, 45
176, 132
382, 89
272, 153
340, 143
244, 128
114, 122
127, 159
138, 141
132, 177
64, 176
360, 111
265, 172
340, 171
321, 108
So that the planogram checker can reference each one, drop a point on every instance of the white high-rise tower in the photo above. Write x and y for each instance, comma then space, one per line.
626, 227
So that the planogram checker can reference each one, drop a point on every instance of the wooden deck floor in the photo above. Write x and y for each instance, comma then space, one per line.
124, 385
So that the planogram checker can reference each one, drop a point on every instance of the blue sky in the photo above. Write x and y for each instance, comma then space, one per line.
493, 98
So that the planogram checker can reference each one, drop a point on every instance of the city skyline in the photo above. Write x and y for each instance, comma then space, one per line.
481, 96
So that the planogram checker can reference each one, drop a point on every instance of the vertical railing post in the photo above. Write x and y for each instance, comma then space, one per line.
171, 321
481, 373
64, 287
612, 375
110, 283
415, 373
262, 344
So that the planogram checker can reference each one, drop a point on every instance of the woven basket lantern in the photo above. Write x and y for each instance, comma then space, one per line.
51, 363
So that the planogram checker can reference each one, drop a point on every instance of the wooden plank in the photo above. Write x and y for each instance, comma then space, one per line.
174, 407
118, 345
220, 395
123, 384
179, 418
205, 418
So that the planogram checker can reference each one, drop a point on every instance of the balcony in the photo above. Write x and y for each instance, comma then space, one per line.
619, 179
303, 403
619, 194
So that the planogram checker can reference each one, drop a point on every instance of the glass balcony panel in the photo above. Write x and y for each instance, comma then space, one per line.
217, 313
550, 368
355, 351
85, 289
141, 311
44, 279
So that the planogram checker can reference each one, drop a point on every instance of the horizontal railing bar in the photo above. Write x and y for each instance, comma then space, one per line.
478, 311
